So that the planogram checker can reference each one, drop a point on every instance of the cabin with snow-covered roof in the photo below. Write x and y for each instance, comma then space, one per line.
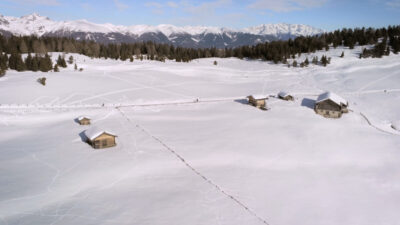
258, 101
331, 105
100, 138
285, 96
83, 120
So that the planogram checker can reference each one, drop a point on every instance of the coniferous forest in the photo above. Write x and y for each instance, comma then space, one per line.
383, 40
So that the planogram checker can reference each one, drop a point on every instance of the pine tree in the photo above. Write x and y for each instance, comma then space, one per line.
61, 61
315, 60
45, 63
294, 63
22, 47
15, 62
39, 47
76, 67
364, 53
28, 62
324, 60
35, 64
215, 63
2, 72
55, 69
3, 62
306, 62
342, 55
395, 43
379, 49
131, 58
71, 59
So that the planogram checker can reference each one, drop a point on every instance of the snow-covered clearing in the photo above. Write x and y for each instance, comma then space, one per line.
190, 151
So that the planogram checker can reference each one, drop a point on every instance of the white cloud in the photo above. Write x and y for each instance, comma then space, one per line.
194, 12
393, 3
206, 7
172, 4
157, 8
206, 13
121, 6
203, 13
190, 6
153, 5
86, 6
160, 5
286, 5
38, 2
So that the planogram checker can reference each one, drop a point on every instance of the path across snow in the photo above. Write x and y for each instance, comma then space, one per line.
187, 164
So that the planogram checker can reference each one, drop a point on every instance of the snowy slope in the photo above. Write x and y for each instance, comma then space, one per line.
191, 151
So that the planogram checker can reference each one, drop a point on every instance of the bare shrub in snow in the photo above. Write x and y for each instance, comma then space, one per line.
42, 81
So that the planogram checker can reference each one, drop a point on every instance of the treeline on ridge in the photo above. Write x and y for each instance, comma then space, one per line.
383, 39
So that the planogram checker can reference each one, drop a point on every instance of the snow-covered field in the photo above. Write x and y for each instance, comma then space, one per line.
213, 161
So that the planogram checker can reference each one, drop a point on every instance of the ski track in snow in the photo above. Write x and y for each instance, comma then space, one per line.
143, 86
49, 166
59, 218
22, 107
128, 90
72, 96
187, 164
376, 81
112, 111
197, 101
376, 127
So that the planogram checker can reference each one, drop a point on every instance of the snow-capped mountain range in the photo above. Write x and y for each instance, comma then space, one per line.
187, 36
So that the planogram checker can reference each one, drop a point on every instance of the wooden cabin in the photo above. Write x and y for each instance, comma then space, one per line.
84, 120
285, 96
330, 105
259, 101
99, 138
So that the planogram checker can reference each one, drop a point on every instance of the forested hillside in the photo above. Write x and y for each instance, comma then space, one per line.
384, 41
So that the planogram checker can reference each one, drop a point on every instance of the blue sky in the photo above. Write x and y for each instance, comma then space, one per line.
325, 14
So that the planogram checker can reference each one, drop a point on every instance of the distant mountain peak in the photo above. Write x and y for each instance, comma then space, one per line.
283, 28
34, 16
188, 36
